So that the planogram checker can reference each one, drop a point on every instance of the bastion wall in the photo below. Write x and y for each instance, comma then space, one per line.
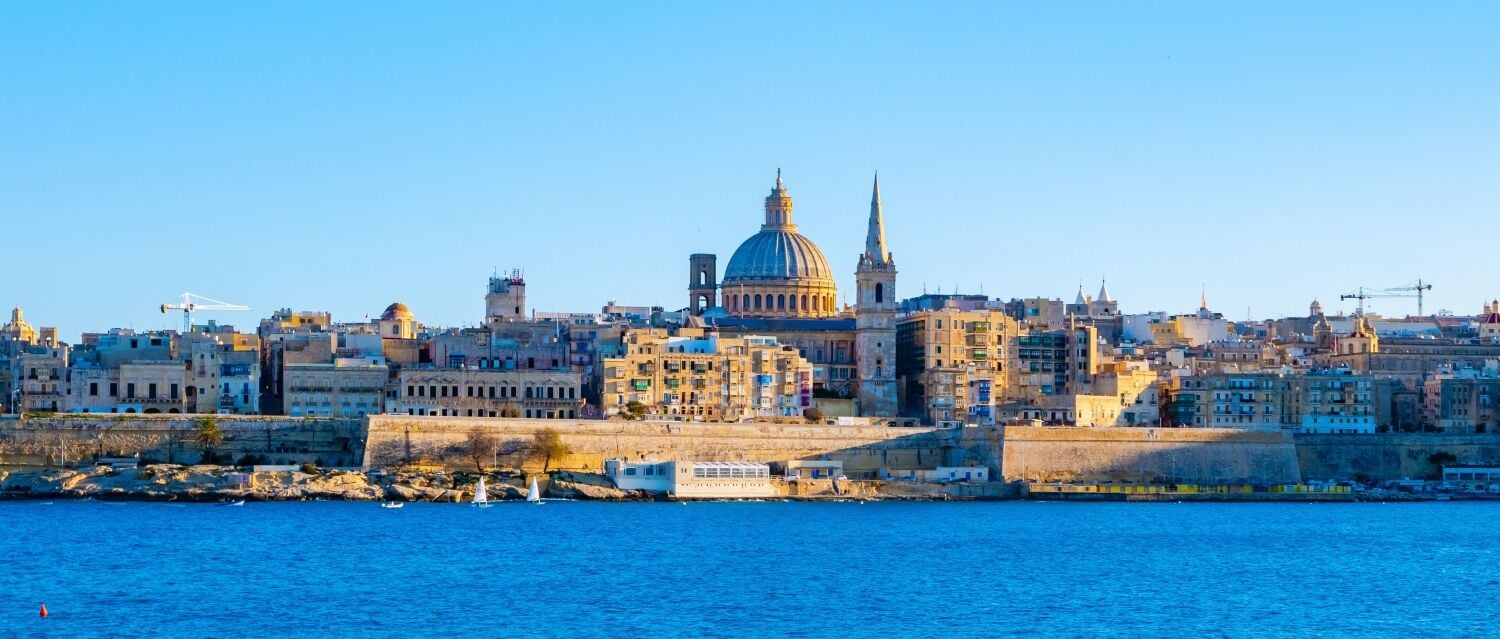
58, 440
864, 450
1392, 455
1150, 455
1147, 455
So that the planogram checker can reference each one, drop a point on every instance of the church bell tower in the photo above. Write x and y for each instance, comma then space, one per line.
875, 319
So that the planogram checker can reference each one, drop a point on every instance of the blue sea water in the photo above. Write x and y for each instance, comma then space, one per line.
758, 569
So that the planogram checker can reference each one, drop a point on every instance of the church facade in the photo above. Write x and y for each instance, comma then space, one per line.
779, 283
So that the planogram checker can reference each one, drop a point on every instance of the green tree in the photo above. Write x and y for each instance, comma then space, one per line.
547, 444
208, 435
510, 409
1439, 460
813, 415
635, 410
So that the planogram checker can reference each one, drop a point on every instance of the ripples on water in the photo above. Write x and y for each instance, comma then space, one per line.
768, 569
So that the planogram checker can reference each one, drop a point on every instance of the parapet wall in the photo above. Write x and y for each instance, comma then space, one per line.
1148, 455
51, 441
395, 439
1386, 456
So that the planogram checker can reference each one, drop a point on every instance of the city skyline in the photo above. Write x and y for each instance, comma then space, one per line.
302, 164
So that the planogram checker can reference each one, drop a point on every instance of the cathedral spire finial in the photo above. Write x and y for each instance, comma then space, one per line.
875, 248
778, 178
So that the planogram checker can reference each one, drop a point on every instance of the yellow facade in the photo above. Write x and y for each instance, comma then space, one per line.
703, 376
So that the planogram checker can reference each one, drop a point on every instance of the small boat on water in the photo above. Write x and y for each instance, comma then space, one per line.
533, 495
240, 502
393, 504
481, 495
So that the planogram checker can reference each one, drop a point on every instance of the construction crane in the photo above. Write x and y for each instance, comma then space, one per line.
194, 302
1418, 288
1363, 294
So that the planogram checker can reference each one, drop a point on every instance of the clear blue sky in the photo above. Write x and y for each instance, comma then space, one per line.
338, 157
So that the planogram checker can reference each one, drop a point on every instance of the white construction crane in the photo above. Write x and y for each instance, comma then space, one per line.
1414, 290
193, 302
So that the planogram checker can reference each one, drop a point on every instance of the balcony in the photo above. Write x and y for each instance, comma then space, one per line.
151, 401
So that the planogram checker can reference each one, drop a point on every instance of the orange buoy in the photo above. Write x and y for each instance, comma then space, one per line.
44, 611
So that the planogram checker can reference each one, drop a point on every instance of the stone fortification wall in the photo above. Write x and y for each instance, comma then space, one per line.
54, 441
1386, 456
395, 439
1149, 455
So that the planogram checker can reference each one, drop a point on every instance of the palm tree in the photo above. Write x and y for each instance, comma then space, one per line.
208, 436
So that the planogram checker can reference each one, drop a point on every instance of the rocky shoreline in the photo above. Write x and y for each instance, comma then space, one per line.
164, 482
203, 483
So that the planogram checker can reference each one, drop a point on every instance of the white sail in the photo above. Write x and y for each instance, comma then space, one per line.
532, 494
481, 496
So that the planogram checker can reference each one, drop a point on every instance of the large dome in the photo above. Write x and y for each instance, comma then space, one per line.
778, 273
778, 254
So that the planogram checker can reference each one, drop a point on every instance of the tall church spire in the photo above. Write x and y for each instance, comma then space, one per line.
875, 319
875, 249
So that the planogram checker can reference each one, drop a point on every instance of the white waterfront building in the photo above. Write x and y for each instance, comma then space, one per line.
692, 479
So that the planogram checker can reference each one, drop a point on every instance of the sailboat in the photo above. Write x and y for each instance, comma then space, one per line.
533, 495
481, 496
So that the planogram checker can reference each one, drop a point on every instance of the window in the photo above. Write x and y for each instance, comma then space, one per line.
94, 389
879, 293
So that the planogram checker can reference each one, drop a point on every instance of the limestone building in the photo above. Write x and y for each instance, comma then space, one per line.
779, 283
506, 298
953, 363
698, 374
345, 387
468, 392
17, 329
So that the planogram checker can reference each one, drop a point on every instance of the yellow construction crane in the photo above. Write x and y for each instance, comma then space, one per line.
193, 302
1414, 290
